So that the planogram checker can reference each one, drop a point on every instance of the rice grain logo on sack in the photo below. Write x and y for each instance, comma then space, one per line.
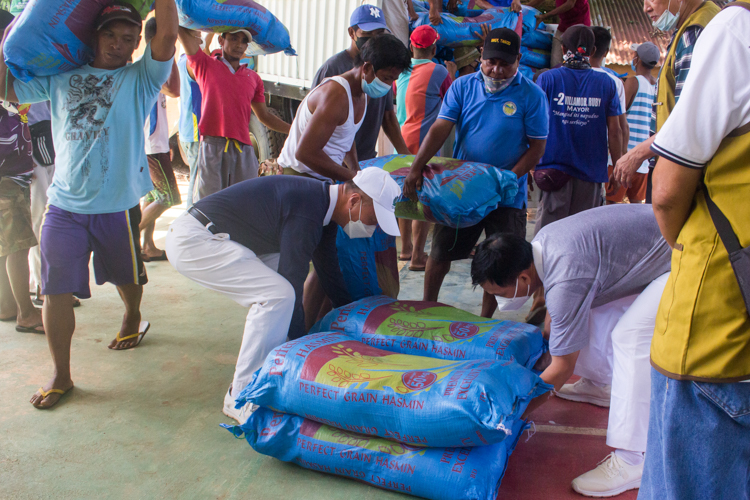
463, 330
417, 380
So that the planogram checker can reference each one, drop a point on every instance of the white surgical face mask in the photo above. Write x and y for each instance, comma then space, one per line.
514, 304
667, 20
358, 229
493, 85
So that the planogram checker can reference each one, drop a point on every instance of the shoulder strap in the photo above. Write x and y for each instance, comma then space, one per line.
723, 227
744, 5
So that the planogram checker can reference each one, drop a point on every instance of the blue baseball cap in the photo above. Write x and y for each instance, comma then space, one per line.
368, 18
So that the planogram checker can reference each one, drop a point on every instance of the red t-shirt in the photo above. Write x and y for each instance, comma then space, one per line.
227, 96
579, 14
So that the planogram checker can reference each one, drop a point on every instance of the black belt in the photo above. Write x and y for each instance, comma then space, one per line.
201, 217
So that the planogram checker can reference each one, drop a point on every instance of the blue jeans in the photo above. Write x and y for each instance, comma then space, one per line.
191, 154
698, 441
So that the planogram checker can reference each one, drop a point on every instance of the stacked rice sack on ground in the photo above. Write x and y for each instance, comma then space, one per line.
435, 428
435, 330
269, 34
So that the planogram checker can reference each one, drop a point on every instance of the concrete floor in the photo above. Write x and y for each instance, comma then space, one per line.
144, 423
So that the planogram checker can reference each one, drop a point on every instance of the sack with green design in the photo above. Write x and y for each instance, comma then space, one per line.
455, 193
435, 330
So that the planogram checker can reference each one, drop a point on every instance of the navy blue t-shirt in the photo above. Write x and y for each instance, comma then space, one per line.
283, 214
580, 100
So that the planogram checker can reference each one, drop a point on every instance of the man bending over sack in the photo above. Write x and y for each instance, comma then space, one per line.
603, 272
254, 241
101, 173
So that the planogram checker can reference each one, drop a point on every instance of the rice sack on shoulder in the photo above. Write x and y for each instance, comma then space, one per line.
340, 382
460, 473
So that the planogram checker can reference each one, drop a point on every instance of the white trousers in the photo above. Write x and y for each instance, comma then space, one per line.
40, 183
220, 264
619, 354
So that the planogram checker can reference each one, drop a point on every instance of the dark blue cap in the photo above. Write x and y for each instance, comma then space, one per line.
368, 18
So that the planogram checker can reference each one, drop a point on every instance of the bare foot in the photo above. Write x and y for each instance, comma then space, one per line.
42, 402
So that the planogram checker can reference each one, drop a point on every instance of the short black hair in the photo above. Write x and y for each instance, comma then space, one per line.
149, 32
384, 51
602, 41
500, 259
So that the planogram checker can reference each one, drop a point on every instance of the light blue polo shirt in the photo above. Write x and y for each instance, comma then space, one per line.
496, 128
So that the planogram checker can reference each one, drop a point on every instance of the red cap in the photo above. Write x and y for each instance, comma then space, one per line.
424, 36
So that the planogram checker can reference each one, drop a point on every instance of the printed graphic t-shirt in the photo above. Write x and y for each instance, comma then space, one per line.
97, 127
580, 102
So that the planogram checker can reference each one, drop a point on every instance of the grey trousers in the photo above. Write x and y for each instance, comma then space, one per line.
575, 196
221, 163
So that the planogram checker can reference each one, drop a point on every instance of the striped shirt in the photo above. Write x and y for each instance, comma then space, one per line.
638, 116
682, 60
419, 95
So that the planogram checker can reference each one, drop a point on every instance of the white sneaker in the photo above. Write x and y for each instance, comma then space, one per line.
585, 391
611, 477
239, 414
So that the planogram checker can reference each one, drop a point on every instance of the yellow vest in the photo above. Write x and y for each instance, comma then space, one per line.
665, 99
702, 327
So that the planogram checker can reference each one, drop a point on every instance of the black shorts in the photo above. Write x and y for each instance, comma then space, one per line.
449, 244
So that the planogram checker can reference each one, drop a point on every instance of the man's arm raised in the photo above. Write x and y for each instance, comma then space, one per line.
163, 43
7, 92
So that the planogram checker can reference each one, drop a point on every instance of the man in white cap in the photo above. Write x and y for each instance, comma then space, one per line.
231, 93
254, 241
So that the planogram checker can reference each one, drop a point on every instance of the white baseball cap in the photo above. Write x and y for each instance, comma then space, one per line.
246, 32
378, 185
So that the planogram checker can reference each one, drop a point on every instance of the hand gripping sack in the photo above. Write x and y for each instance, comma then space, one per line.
435, 330
338, 381
221, 16
435, 473
454, 193
52, 36
460, 31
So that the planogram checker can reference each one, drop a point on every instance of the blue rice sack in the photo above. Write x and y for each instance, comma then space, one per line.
526, 71
435, 330
455, 193
221, 16
437, 473
357, 263
535, 58
464, 8
529, 18
51, 36
537, 39
460, 31
332, 379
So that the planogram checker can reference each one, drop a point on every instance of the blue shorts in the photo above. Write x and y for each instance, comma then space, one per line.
68, 239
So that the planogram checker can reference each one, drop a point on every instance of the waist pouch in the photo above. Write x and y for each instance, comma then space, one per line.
550, 179
42, 147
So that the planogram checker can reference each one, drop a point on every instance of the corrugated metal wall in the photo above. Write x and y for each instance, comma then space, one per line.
318, 29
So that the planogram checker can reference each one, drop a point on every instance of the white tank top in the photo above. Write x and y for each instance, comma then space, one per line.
338, 145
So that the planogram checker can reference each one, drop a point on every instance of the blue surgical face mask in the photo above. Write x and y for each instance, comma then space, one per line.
632, 65
376, 89
667, 20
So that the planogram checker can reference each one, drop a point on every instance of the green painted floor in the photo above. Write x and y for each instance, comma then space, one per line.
144, 423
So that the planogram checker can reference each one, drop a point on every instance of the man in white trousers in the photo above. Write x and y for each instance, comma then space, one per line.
253, 242
603, 273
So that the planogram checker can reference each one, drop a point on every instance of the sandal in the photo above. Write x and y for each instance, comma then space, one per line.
30, 329
143, 328
44, 395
